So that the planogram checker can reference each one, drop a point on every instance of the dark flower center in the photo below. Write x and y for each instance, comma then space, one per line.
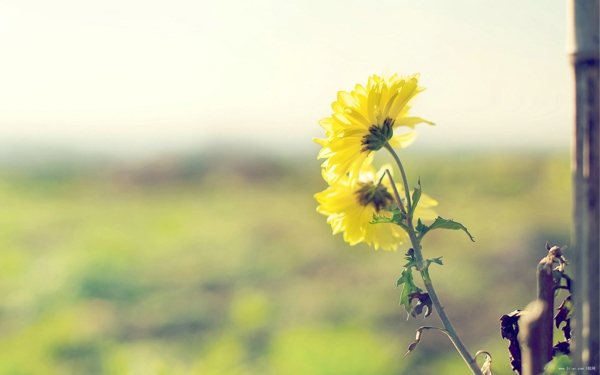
378, 135
377, 195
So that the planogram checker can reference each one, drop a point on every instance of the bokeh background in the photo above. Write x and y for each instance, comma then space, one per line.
157, 174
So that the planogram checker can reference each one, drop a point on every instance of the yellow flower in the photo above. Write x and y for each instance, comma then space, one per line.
350, 203
364, 119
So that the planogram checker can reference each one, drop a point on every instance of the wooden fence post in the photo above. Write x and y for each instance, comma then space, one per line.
585, 167
536, 323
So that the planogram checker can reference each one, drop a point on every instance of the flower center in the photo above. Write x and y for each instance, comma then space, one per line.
378, 135
377, 195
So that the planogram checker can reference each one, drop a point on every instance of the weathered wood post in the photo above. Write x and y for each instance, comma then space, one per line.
585, 167
537, 321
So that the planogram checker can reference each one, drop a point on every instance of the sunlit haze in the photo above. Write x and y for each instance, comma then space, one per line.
144, 77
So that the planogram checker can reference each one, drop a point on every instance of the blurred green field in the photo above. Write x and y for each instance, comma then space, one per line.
219, 265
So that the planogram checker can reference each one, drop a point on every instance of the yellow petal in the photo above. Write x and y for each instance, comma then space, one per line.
403, 140
411, 121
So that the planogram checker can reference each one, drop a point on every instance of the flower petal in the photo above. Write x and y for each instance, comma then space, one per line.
403, 140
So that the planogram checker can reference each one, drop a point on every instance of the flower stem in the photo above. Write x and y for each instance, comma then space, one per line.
404, 180
398, 199
458, 344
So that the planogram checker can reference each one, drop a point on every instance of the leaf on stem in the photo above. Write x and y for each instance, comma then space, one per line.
437, 260
441, 223
398, 217
509, 329
564, 315
564, 311
408, 288
420, 265
424, 303
416, 196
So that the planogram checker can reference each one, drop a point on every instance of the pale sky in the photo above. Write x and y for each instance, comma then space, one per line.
159, 76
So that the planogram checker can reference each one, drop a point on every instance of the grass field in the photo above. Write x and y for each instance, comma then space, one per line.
219, 265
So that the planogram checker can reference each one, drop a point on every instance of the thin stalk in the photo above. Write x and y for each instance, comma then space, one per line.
420, 330
404, 180
458, 344
452, 334
398, 199
381, 179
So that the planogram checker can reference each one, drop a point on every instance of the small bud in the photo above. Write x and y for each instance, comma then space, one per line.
411, 347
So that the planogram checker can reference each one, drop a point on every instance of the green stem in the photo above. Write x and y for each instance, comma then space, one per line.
458, 344
381, 179
404, 180
396, 194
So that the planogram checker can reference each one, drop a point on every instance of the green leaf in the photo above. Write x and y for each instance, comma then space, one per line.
422, 264
441, 223
397, 218
557, 365
421, 227
416, 195
408, 287
403, 277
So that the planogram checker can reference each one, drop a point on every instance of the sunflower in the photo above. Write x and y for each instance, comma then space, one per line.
364, 120
350, 203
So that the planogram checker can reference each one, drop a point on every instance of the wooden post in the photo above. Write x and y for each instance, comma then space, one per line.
545, 293
537, 321
531, 333
584, 51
